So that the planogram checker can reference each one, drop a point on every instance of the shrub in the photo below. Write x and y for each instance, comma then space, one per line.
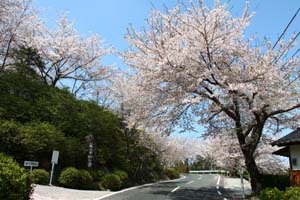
122, 174
111, 181
14, 180
85, 180
291, 193
279, 181
96, 175
76, 179
171, 173
39, 176
69, 177
271, 194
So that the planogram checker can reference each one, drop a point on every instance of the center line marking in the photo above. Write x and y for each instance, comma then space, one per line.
218, 182
175, 189
190, 182
219, 193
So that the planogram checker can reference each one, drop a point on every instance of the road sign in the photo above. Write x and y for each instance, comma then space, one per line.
54, 161
31, 163
55, 155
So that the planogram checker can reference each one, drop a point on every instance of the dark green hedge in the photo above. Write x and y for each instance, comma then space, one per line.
291, 193
279, 181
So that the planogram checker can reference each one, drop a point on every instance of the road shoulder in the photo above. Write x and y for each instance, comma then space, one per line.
234, 184
44, 192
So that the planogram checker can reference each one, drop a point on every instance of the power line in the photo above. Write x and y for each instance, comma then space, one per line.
286, 48
286, 28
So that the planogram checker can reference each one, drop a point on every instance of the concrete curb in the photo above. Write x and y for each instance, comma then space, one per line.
135, 187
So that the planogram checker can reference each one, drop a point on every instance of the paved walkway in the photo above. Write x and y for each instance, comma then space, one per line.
235, 184
43, 192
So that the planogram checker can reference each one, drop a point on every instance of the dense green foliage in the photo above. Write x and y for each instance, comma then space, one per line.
76, 179
112, 182
171, 173
279, 181
69, 177
291, 193
14, 181
36, 118
97, 175
270, 194
85, 179
123, 176
39, 176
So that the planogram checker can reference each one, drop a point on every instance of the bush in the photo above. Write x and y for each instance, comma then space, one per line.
69, 177
112, 182
14, 180
271, 194
96, 175
291, 193
76, 179
85, 180
39, 176
171, 173
279, 181
122, 174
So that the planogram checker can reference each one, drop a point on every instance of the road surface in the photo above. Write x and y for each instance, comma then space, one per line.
192, 187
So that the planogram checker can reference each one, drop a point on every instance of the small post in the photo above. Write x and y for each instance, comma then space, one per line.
242, 181
30, 169
54, 160
51, 175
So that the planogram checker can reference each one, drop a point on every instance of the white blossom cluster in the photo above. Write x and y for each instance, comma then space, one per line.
66, 53
229, 156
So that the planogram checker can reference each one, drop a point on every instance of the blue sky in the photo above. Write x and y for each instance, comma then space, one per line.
110, 18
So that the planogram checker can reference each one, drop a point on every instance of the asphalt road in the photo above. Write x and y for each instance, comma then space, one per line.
192, 187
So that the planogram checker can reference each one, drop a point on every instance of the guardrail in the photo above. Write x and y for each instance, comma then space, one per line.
209, 172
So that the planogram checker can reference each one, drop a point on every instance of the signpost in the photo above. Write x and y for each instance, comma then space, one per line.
31, 164
242, 180
54, 160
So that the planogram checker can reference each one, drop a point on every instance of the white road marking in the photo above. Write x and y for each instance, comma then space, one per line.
175, 189
224, 199
218, 182
219, 193
140, 186
190, 182
200, 178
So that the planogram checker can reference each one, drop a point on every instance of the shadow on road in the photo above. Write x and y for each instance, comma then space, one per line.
205, 193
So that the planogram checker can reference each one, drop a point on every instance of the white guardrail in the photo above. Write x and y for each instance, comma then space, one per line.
209, 172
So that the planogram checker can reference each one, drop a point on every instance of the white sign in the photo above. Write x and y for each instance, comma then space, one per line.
55, 155
31, 163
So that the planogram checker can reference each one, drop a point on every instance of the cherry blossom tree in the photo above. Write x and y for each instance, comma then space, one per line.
174, 149
68, 55
70, 59
16, 18
194, 65
228, 154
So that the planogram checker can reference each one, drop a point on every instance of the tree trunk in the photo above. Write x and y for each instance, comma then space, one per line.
256, 184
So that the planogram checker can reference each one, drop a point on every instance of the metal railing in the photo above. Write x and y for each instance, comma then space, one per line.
209, 172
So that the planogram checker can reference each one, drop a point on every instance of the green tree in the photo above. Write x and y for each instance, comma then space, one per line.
39, 139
